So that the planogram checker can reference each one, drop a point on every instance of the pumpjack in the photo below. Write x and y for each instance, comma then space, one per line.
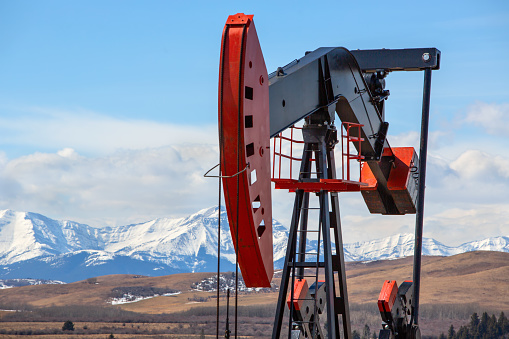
308, 95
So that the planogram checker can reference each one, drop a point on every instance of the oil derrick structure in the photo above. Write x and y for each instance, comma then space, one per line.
325, 84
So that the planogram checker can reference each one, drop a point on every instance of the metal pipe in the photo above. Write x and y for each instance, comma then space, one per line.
422, 185
227, 331
218, 251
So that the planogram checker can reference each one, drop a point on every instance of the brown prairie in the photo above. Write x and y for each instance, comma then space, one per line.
474, 277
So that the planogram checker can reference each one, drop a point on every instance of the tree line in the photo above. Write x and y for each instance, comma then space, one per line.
485, 327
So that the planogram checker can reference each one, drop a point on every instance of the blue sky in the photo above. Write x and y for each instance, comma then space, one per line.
108, 109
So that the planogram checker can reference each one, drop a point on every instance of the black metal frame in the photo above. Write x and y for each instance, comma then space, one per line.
419, 219
390, 60
334, 79
316, 140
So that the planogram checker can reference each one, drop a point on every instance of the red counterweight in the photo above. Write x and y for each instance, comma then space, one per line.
300, 291
387, 296
402, 181
245, 148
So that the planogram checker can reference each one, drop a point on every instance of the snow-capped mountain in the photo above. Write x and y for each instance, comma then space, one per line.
396, 246
34, 246
402, 245
25, 235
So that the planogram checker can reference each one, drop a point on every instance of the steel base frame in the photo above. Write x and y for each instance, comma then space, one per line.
319, 140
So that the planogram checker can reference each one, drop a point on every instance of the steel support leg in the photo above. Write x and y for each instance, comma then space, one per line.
290, 250
339, 257
301, 198
422, 185
330, 290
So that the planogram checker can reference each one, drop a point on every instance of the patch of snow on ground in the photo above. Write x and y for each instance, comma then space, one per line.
129, 298
227, 281
10, 283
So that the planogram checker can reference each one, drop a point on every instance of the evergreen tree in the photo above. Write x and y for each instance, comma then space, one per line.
356, 335
442, 336
483, 325
474, 326
374, 336
486, 327
492, 330
463, 333
503, 323
474, 321
366, 332
451, 333
68, 326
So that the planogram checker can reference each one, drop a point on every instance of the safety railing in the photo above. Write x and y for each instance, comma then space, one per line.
286, 164
350, 135
280, 159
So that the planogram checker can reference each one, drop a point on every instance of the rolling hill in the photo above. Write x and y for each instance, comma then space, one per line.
480, 278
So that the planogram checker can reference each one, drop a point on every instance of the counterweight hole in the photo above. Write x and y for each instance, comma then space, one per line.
249, 93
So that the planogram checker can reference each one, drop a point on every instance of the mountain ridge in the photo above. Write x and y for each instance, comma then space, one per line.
35, 246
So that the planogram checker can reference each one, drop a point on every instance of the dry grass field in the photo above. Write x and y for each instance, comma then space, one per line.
471, 278
452, 288
475, 277
86, 329
85, 293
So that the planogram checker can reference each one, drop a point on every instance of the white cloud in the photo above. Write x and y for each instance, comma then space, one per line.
474, 164
137, 185
494, 118
93, 133
405, 139
109, 171
412, 139
466, 199
106, 170
124, 187
455, 226
67, 153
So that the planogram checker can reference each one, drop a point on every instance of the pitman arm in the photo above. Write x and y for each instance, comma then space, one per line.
333, 79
